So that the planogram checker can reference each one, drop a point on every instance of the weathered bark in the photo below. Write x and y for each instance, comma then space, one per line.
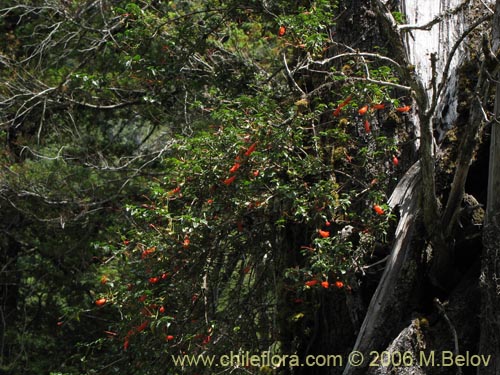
490, 264
442, 265
407, 345
393, 294
425, 113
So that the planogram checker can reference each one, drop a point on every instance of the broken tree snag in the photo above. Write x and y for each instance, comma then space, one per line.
425, 111
407, 346
489, 343
392, 298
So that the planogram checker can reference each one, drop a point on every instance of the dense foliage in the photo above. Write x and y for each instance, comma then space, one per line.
186, 177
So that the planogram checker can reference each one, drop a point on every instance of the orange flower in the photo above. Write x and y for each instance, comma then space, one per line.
210, 201
367, 127
251, 149
363, 110
378, 209
229, 181
101, 302
169, 337
378, 106
235, 167
104, 279
395, 161
186, 242
325, 284
161, 310
311, 283
339, 284
324, 233
406, 108
281, 30
256, 173
164, 276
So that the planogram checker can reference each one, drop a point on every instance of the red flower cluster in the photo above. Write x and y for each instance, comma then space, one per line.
237, 164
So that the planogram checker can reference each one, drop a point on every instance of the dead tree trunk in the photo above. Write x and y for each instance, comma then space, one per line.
393, 294
490, 264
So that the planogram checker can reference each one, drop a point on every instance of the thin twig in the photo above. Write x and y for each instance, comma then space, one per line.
441, 308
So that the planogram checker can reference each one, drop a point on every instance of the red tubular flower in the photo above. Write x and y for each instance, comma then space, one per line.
186, 242
206, 340
336, 113
325, 284
363, 110
147, 252
251, 149
154, 280
235, 167
143, 326
169, 337
367, 127
126, 344
311, 283
229, 181
378, 209
281, 30
175, 191
339, 284
395, 161
378, 106
324, 233
101, 302
406, 108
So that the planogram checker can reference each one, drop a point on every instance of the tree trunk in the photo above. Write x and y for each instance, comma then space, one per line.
490, 264
393, 296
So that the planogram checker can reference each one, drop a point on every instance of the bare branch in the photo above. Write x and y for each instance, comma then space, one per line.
437, 19
353, 54
451, 54
290, 76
